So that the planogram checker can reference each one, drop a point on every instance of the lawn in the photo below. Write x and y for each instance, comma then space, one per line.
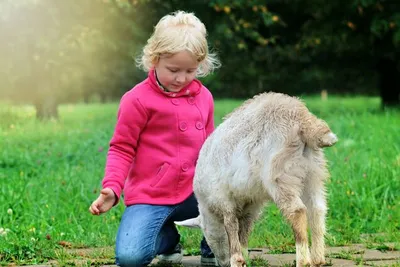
51, 171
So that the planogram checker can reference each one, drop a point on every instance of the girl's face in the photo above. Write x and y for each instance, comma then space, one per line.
176, 71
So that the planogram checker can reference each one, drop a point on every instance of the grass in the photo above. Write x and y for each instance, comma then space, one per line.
51, 171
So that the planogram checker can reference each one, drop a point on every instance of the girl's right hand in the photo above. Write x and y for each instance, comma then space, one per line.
104, 202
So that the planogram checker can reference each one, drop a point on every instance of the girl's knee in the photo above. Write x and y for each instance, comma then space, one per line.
133, 258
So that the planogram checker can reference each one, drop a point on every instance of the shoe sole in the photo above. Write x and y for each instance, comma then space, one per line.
175, 258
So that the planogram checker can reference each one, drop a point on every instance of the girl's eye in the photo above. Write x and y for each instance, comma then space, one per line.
173, 70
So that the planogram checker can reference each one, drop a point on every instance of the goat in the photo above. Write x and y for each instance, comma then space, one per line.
268, 149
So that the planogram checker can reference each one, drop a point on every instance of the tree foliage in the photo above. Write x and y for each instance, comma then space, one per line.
56, 51
334, 44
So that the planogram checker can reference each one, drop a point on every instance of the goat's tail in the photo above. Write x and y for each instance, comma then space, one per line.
328, 139
316, 132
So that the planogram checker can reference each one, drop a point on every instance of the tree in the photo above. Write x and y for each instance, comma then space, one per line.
56, 51
363, 35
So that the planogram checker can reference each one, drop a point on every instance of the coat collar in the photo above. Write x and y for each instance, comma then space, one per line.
191, 89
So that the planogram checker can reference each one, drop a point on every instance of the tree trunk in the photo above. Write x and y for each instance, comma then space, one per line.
86, 97
103, 97
389, 82
46, 109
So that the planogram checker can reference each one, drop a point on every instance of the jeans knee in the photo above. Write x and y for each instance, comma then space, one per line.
136, 258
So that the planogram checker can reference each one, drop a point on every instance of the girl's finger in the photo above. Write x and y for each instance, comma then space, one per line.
94, 210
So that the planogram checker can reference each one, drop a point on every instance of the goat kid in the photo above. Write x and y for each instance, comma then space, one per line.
268, 149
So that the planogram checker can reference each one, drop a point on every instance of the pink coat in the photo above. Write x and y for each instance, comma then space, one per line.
156, 142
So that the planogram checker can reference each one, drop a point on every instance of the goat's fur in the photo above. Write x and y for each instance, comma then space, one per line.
268, 149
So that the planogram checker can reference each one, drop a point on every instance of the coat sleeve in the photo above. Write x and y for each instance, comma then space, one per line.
131, 120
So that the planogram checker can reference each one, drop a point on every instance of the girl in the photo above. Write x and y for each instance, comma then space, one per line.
161, 126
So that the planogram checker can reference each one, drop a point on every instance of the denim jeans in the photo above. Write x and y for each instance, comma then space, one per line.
146, 231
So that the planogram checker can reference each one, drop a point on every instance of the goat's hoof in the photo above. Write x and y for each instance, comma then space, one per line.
318, 262
238, 260
303, 263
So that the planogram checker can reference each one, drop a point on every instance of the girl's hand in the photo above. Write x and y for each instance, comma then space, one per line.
104, 202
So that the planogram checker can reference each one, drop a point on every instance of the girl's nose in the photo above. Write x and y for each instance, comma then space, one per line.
180, 78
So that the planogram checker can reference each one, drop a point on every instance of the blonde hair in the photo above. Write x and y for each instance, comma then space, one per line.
177, 32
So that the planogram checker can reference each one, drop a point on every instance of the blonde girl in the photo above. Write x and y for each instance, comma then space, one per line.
161, 126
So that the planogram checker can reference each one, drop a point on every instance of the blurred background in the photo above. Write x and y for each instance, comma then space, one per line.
64, 65
54, 52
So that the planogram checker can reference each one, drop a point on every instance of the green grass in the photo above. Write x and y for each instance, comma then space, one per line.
51, 171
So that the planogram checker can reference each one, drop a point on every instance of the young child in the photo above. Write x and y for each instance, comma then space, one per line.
161, 126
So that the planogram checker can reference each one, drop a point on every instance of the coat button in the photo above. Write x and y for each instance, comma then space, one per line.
199, 125
183, 126
185, 167
175, 101
191, 100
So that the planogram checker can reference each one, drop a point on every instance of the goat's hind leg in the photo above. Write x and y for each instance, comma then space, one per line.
294, 210
315, 200
286, 186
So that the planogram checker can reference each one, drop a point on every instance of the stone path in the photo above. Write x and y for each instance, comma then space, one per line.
355, 255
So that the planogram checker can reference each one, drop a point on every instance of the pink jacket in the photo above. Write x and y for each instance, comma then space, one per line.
156, 142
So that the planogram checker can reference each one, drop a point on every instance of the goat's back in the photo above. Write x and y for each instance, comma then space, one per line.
243, 146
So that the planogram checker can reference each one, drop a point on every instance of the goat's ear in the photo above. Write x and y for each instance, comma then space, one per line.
191, 223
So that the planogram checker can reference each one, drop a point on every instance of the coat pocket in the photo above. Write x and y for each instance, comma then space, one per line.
160, 173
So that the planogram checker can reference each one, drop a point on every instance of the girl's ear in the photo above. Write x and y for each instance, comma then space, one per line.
155, 61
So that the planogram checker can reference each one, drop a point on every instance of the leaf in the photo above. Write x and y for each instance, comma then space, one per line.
379, 27
396, 38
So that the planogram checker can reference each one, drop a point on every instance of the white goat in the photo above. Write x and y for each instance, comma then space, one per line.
268, 149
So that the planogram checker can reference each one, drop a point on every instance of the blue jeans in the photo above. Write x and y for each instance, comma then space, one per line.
146, 231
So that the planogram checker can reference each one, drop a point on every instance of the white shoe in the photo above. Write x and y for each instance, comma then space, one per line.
175, 257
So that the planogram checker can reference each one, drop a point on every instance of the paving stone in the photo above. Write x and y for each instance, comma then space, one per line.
191, 261
383, 263
341, 262
352, 248
372, 254
279, 259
